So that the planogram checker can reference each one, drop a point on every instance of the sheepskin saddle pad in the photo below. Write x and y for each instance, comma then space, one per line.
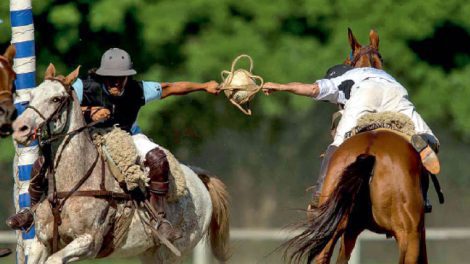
118, 149
394, 121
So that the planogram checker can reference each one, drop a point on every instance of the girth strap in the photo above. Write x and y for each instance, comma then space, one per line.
101, 194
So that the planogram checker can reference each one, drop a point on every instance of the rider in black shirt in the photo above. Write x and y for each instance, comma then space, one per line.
110, 93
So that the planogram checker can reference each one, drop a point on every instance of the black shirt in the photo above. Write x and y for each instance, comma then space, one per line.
124, 109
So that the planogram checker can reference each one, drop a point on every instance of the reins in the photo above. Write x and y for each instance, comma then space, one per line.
57, 199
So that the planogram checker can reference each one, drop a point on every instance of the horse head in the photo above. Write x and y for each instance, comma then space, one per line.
364, 56
7, 76
48, 110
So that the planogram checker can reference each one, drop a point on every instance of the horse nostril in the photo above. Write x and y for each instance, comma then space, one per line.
2, 111
24, 128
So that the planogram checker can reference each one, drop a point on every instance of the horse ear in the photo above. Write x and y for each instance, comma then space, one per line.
50, 72
374, 39
72, 76
352, 40
10, 54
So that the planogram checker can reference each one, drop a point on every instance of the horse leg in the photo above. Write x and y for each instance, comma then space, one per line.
410, 247
325, 255
83, 246
423, 255
348, 241
38, 252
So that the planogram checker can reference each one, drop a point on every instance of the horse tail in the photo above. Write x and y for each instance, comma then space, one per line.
332, 212
219, 233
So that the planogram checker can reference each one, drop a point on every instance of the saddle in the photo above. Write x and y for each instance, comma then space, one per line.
120, 153
395, 122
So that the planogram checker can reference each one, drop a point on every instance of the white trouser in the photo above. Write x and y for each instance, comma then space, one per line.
377, 95
143, 144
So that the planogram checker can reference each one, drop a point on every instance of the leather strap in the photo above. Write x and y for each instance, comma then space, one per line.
102, 194
159, 187
365, 51
57, 205
437, 187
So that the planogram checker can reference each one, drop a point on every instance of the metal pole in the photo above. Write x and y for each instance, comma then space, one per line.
22, 28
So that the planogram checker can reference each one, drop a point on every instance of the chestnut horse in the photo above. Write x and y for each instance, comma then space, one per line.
373, 182
7, 76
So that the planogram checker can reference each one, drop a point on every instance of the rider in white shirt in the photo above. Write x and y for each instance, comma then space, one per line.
360, 91
366, 90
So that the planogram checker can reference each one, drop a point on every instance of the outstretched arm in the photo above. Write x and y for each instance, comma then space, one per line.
182, 88
304, 89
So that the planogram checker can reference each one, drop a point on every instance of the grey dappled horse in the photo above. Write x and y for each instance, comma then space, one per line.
87, 220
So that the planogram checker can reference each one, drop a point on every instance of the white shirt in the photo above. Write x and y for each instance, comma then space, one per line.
338, 90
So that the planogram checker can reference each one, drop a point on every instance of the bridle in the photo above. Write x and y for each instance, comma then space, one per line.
43, 133
364, 51
57, 199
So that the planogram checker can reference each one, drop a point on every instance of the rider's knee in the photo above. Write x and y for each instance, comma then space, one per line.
157, 163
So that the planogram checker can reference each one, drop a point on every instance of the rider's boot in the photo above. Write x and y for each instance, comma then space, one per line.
159, 169
427, 146
37, 187
4, 252
321, 178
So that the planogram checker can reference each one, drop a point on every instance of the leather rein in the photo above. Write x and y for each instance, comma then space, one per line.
57, 199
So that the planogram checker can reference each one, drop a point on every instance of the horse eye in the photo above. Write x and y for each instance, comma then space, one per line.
56, 99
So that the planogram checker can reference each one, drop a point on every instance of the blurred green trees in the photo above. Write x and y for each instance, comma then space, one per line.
424, 46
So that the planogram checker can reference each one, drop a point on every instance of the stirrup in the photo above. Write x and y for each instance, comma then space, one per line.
427, 206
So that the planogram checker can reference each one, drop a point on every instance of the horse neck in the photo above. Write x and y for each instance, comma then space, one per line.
75, 155
4, 82
7, 75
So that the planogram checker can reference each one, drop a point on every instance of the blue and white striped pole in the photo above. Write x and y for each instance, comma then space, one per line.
22, 27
